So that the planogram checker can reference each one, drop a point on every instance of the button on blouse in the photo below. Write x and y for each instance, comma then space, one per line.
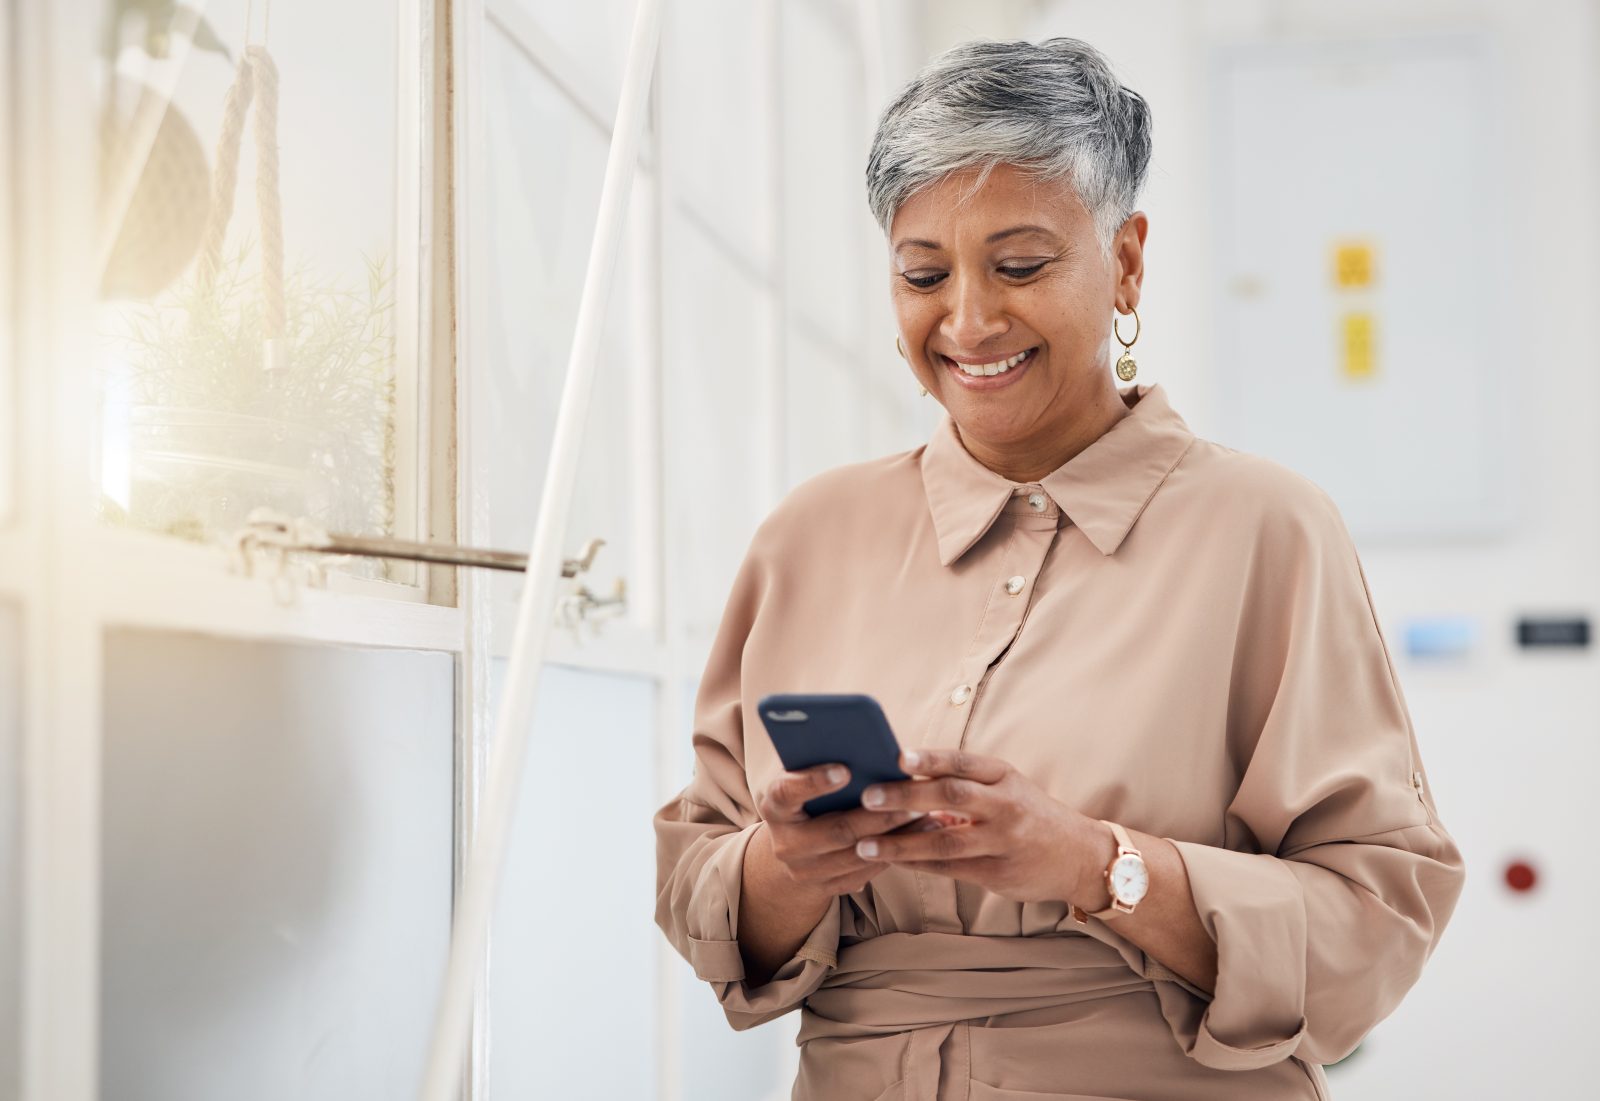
1165, 632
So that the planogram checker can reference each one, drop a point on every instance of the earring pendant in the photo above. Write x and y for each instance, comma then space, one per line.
1126, 367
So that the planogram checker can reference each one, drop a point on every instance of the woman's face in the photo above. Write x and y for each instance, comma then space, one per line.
1013, 270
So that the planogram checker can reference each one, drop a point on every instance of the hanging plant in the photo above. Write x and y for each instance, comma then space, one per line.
215, 434
253, 386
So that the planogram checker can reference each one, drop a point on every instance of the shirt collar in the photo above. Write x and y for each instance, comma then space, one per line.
1102, 489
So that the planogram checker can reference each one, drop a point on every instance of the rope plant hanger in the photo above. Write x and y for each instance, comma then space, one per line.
257, 79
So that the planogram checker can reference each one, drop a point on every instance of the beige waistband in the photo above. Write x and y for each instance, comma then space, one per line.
903, 981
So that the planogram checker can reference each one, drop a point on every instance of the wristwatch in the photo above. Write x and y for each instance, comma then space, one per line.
1127, 879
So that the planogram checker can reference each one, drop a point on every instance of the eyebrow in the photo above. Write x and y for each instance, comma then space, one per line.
1014, 231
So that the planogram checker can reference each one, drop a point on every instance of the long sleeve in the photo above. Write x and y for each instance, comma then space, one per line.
1336, 877
702, 832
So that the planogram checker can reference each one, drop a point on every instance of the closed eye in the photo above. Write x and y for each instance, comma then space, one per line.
1022, 273
924, 282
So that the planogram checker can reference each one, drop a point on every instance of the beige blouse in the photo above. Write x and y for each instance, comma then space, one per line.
1165, 632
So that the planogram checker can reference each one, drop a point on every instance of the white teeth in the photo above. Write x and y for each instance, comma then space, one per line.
978, 370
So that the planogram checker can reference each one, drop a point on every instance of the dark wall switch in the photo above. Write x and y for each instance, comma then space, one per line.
1570, 631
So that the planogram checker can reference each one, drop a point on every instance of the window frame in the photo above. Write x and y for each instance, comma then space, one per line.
8, 426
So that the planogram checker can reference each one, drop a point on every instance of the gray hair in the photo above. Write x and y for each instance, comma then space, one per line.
1053, 108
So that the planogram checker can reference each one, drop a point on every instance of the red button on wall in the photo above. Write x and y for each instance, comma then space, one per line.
1520, 876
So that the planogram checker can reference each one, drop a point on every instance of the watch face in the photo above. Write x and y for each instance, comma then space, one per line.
1129, 879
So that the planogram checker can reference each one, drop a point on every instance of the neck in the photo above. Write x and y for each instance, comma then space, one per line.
1031, 459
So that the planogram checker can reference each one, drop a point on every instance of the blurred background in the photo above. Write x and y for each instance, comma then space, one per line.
236, 783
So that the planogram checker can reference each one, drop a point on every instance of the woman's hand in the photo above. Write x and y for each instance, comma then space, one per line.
1013, 838
819, 854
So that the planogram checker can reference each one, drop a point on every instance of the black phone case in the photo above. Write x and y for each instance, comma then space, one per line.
814, 729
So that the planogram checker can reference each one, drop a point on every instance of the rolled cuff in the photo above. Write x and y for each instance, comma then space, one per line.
1254, 909
714, 954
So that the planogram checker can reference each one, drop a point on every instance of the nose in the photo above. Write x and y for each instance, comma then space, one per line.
975, 315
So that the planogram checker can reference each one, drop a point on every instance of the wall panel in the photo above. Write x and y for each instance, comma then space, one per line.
276, 877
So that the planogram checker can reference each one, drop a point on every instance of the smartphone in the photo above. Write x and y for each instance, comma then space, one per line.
850, 729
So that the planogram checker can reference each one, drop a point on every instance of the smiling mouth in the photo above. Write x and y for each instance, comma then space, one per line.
998, 367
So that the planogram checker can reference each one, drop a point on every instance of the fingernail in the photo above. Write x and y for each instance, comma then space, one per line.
836, 775
913, 758
872, 797
867, 848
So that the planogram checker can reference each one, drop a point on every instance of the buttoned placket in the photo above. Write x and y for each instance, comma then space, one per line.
1013, 552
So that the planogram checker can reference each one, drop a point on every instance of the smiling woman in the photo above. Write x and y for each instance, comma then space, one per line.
1006, 178
1186, 849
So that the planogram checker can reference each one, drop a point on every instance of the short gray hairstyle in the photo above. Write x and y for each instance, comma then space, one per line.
1052, 107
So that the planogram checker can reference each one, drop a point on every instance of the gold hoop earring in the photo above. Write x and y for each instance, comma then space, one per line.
1126, 367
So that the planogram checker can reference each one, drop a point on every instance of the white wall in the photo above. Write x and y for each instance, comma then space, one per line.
571, 980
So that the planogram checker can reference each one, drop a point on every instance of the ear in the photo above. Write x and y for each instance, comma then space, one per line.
1127, 251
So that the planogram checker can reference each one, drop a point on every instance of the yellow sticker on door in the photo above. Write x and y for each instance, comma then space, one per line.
1359, 341
1355, 264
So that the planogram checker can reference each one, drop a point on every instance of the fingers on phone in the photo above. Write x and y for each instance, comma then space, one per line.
920, 824
818, 779
796, 788
899, 821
